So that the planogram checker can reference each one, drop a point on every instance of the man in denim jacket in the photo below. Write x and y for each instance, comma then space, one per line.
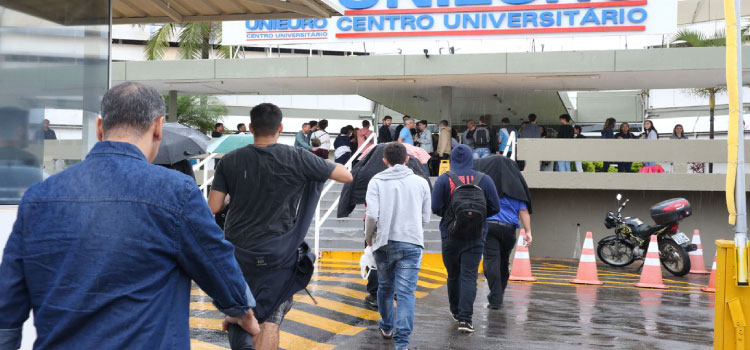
105, 251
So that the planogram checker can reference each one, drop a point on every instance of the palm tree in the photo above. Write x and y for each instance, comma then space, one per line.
196, 40
693, 38
202, 115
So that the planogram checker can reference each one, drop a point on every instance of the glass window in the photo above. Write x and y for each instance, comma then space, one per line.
54, 64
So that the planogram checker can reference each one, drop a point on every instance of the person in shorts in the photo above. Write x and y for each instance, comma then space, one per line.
265, 182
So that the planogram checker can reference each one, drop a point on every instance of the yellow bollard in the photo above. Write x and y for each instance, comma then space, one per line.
732, 301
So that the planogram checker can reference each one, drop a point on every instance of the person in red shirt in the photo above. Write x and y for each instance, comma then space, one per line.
363, 134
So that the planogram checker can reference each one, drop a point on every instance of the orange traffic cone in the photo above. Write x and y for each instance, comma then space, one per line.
587, 267
651, 275
521, 270
697, 264
711, 286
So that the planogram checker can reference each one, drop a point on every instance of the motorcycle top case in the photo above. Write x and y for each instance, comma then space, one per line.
671, 211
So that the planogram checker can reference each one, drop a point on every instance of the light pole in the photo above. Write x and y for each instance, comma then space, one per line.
736, 141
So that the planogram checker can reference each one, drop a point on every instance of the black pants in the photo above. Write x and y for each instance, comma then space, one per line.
501, 239
624, 167
461, 259
606, 166
372, 283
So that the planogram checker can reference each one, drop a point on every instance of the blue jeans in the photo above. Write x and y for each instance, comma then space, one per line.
480, 153
563, 166
461, 258
398, 268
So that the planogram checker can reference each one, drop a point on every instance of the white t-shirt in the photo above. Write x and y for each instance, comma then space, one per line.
325, 139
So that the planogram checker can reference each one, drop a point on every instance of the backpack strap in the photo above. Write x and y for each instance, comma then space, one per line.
477, 179
456, 180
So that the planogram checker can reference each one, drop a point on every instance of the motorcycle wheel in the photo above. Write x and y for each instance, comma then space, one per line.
674, 258
616, 253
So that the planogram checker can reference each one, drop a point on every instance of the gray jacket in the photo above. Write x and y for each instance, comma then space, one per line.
467, 141
425, 140
531, 131
398, 202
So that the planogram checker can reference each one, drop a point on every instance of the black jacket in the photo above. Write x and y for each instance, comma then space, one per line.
354, 192
566, 132
384, 134
278, 268
508, 178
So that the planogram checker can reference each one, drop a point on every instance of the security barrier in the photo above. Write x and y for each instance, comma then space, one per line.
732, 302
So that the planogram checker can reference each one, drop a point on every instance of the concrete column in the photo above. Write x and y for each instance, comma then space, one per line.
172, 108
446, 103
88, 135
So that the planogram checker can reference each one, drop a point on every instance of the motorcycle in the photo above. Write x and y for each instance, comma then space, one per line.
632, 237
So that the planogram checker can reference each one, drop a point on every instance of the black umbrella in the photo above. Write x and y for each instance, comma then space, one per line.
180, 142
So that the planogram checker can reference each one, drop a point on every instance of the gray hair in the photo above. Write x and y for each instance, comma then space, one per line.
408, 121
131, 106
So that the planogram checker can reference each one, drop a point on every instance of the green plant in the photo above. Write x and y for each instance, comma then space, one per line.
196, 40
201, 112
693, 38
636, 167
597, 166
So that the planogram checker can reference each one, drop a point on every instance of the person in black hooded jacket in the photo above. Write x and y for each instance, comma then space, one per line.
462, 256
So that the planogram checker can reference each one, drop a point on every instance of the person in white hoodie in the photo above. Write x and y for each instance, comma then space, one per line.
398, 204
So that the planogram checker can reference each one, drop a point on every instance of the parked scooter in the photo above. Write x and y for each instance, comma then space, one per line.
632, 236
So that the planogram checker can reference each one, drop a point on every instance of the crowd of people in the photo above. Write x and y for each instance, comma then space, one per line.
314, 138
624, 133
104, 252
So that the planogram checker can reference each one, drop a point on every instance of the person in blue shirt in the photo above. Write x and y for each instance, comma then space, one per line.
104, 252
462, 256
501, 239
504, 136
404, 136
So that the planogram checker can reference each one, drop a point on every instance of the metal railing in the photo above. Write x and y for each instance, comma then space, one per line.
319, 221
206, 180
511, 145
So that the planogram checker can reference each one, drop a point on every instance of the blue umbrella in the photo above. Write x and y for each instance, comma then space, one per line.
229, 143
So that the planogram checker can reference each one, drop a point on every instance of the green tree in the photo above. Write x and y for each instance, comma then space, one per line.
201, 112
693, 38
196, 40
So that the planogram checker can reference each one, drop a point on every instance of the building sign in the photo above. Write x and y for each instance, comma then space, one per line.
454, 19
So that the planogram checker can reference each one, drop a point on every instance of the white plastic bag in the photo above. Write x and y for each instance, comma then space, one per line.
367, 263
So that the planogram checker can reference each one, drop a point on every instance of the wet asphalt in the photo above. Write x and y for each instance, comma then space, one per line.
549, 314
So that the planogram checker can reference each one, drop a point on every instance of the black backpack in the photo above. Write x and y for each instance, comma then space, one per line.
481, 137
468, 208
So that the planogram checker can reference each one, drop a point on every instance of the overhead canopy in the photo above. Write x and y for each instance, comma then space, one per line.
162, 11
158, 11
512, 84
696, 11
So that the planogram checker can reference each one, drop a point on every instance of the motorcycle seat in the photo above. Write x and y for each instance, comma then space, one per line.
645, 231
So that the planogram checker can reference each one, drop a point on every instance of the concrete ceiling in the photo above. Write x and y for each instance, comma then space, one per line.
76, 12
482, 84
501, 95
159, 11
